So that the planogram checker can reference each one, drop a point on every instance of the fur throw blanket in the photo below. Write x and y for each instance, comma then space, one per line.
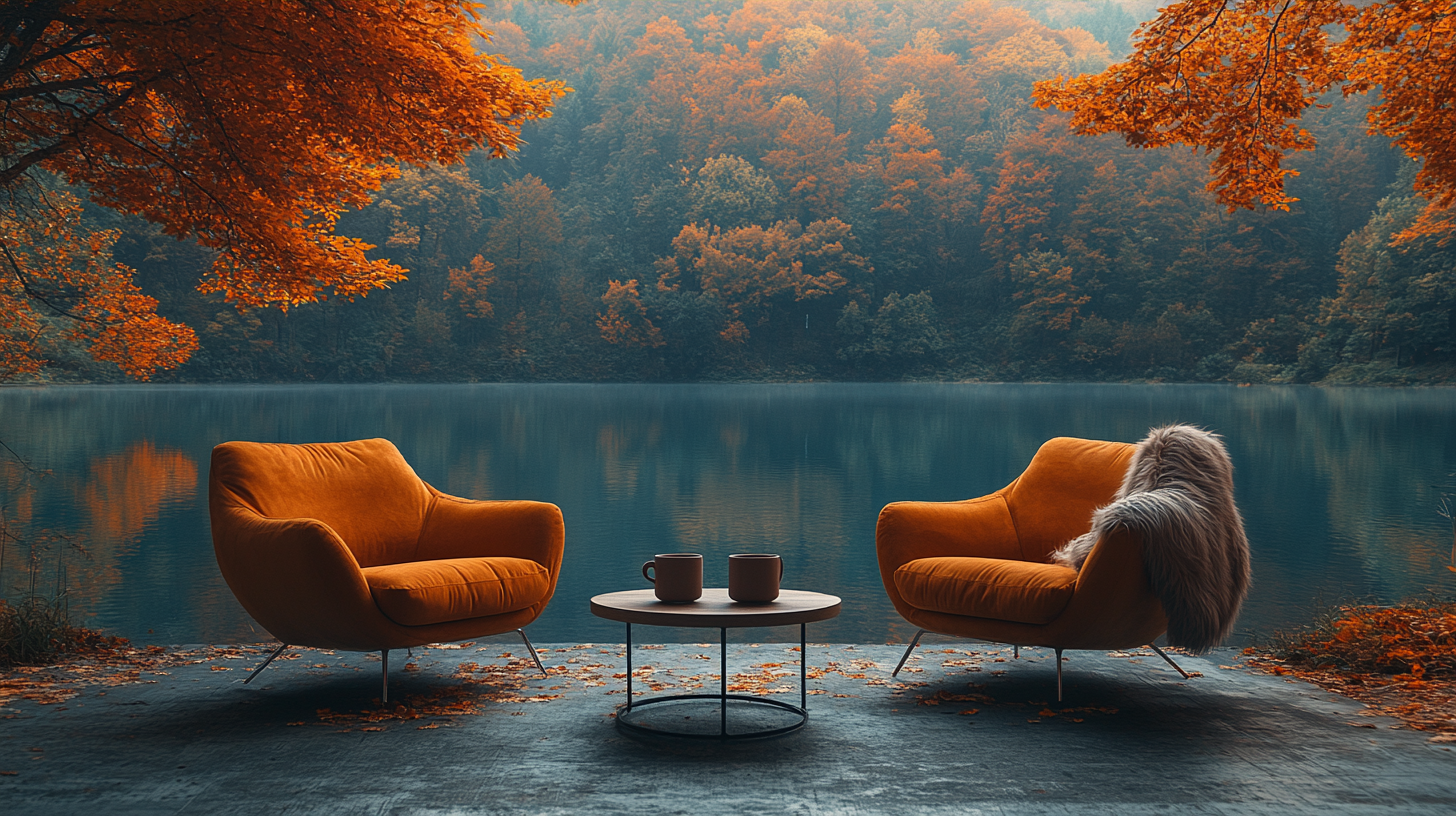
1178, 494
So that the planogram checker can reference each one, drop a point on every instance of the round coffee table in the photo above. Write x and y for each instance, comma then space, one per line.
716, 610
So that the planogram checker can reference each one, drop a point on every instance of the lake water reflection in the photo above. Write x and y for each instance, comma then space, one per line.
1339, 487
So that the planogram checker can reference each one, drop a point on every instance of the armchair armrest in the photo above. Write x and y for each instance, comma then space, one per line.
910, 530
296, 577
976, 527
465, 528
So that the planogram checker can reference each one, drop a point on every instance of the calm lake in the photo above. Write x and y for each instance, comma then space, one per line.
1339, 487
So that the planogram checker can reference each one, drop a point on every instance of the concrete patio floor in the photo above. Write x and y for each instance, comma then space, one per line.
470, 730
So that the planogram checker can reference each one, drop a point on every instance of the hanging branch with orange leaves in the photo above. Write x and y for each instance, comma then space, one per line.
249, 127
1235, 77
56, 277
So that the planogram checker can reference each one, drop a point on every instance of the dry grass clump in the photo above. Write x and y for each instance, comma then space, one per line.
34, 631
31, 631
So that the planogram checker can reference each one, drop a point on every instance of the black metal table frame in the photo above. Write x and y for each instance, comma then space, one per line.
722, 697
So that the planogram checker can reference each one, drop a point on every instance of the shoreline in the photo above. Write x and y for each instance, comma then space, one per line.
1322, 385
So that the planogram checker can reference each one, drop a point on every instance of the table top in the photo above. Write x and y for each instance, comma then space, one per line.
715, 609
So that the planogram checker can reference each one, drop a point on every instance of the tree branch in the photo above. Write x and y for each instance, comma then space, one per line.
78, 83
30, 291
23, 462
22, 29
75, 45
9, 174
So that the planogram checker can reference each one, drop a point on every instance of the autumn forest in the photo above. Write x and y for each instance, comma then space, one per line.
794, 190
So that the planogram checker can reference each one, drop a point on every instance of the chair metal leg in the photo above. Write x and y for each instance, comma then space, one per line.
384, 661
1015, 652
532, 650
265, 663
1185, 674
1059, 675
908, 650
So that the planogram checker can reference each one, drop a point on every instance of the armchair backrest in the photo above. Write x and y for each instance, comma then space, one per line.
364, 490
1052, 501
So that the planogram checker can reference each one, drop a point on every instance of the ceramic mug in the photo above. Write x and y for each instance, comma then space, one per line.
678, 577
754, 577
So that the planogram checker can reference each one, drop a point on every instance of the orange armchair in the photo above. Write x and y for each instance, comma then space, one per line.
981, 568
342, 546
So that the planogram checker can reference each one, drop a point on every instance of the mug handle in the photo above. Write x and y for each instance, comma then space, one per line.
781, 570
652, 565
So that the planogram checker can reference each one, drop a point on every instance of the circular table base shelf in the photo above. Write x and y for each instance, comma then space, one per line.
699, 716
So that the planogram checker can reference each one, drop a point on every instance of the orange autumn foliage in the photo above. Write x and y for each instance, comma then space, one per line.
527, 229
1237, 77
468, 288
1407, 639
809, 162
1049, 298
976, 27
1019, 208
47, 260
1400, 660
251, 127
729, 113
751, 269
625, 322
919, 195
837, 79
952, 98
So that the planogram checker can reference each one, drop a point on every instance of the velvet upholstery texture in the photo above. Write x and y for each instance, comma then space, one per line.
980, 568
342, 546
1018, 591
425, 592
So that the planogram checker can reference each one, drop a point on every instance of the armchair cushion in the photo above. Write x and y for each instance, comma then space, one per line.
420, 593
1008, 590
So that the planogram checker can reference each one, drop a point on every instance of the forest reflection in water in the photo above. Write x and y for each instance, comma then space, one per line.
1339, 487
